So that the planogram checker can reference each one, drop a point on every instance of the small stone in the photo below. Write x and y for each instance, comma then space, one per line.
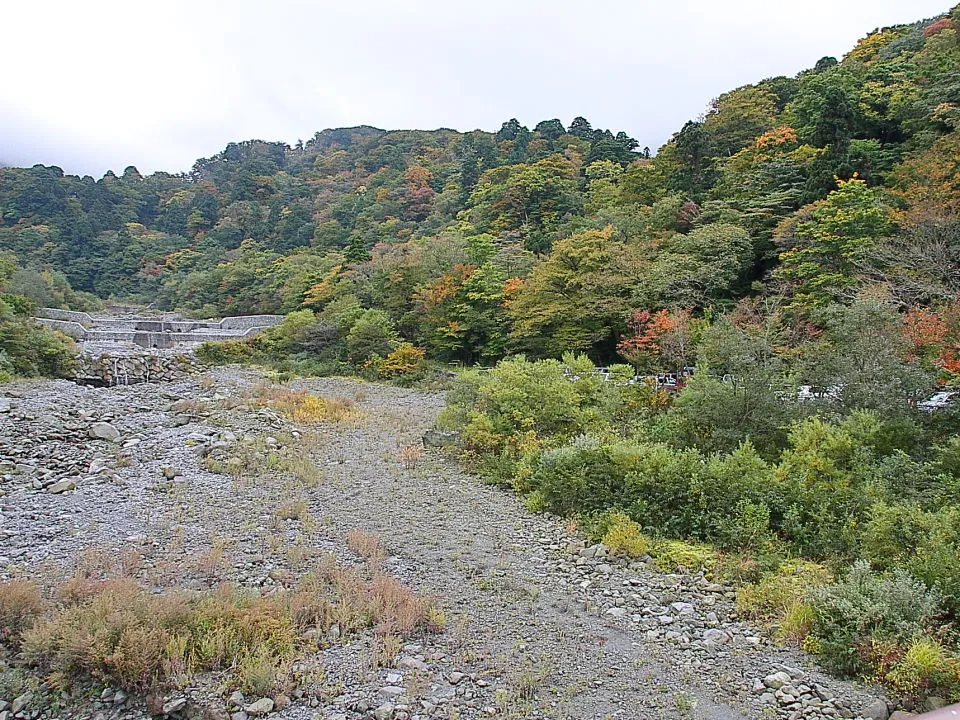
260, 707
384, 712
394, 678
19, 703
777, 680
934, 703
171, 472
455, 678
61, 487
237, 699
239, 715
104, 431
173, 705
901, 715
714, 637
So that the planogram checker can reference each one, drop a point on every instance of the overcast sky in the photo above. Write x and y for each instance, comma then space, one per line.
103, 84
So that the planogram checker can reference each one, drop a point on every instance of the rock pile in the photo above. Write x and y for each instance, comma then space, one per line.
131, 369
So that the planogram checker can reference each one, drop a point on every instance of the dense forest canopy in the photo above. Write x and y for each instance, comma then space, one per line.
478, 244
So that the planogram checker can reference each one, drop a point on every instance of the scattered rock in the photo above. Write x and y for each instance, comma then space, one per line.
876, 711
174, 705
61, 487
104, 431
263, 706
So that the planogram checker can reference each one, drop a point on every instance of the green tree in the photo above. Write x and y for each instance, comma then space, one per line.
819, 265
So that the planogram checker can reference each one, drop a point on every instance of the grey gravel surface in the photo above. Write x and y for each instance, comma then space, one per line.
538, 624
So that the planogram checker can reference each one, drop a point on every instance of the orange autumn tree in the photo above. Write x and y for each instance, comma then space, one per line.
658, 341
934, 336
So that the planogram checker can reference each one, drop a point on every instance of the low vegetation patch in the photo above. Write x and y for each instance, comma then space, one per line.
830, 516
116, 632
305, 407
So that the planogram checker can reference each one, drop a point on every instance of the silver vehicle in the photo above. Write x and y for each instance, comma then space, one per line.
939, 401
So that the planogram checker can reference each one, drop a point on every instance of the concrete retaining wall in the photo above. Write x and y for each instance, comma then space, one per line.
65, 315
242, 322
152, 333
67, 327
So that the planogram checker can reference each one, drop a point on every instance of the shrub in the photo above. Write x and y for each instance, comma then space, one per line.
405, 360
864, 606
20, 604
924, 542
30, 349
624, 537
286, 337
225, 352
372, 334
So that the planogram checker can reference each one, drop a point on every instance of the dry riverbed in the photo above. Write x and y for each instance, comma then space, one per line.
192, 484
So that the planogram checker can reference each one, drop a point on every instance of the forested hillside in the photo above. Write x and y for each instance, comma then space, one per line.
478, 244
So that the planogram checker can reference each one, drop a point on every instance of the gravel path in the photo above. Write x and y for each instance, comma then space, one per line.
538, 626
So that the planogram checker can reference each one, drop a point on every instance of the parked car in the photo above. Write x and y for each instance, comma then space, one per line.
819, 392
939, 401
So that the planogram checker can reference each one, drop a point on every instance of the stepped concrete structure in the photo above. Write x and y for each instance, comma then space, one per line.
154, 332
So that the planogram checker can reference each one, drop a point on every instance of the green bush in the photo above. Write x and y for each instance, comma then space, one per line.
865, 607
225, 352
28, 349
373, 333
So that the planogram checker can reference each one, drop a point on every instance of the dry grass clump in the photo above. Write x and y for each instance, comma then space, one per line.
305, 407
128, 636
383, 603
20, 604
366, 545
116, 632
409, 456
292, 510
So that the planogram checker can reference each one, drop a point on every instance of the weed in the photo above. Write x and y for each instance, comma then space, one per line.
684, 703
292, 510
410, 456
367, 545
624, 537
257, 673
20, 603
780, 598
304, 407
113, 631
